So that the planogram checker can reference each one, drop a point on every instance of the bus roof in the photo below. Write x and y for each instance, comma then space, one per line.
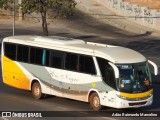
115, 54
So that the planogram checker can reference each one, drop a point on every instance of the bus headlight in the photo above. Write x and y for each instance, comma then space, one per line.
134, 99
122, 97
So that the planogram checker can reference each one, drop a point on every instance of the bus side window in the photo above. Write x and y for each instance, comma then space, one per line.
36, 56
44, 57
87, 65
47, 58
22, 53
107, 72
71, 61
57, 59
10, 51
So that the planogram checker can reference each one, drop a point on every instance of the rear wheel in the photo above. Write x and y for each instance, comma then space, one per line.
95, 102
37, 91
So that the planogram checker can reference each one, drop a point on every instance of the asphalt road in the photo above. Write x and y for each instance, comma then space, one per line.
82, 27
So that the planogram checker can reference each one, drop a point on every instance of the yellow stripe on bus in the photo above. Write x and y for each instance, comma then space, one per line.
13, 75
136, 95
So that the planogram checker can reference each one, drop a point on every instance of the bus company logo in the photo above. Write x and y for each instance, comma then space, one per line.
6, 114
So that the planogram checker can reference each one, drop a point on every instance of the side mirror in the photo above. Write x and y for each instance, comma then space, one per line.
115, 68
155, 67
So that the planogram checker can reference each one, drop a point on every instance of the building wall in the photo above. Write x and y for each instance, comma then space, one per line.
135, 13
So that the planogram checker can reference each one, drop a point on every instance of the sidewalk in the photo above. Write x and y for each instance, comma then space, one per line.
99, 11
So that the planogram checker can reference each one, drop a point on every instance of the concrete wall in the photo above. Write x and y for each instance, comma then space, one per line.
140, 15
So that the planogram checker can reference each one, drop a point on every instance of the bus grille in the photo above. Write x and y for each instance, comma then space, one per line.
137, 103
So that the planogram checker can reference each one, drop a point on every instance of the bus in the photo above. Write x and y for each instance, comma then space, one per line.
100, 74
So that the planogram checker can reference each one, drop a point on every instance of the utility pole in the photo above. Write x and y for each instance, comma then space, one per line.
13, 17
20, 11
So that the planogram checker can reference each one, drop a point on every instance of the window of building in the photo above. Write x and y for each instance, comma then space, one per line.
107, 72
10, 51
22, 53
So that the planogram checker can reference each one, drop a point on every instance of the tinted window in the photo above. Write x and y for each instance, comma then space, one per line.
10, 51
36, 56
86, 65
47, 55
57, 59
22, 53
71, 61
107, 72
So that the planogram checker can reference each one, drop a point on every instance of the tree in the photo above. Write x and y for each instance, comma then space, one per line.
60, 8
1, 3
7, 4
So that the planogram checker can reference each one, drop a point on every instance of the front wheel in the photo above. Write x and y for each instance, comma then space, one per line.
36, 91
95, 102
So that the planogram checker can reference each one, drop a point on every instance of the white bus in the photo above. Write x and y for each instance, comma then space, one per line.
103, 75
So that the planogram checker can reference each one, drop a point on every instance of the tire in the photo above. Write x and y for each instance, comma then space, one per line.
37, 91
95, 102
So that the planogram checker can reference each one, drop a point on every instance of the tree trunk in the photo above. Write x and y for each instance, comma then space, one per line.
44, 23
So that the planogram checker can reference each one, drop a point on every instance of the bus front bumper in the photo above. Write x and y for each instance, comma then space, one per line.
124, 103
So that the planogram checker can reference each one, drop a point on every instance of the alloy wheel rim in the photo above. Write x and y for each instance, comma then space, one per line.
96, 101
37, 91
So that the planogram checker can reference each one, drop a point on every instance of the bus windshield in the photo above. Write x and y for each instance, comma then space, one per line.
134, 78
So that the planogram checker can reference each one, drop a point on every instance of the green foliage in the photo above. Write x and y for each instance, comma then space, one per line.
1, 3
60, 7
7, 4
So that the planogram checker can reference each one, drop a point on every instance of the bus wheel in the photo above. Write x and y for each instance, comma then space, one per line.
36, 91
95, 102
